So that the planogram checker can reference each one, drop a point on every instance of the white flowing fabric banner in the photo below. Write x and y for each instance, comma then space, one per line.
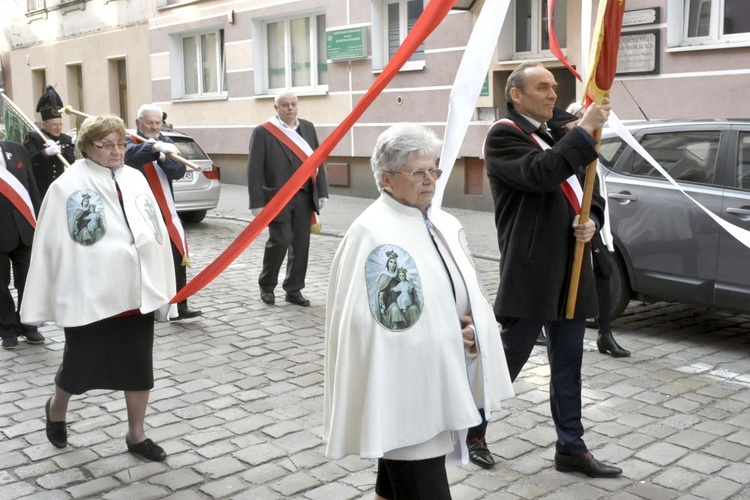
742, 235
468, 84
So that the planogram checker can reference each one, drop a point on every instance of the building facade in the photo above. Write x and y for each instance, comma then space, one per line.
215, 65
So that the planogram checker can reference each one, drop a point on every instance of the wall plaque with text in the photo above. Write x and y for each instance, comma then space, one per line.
640, 16
346, 44
638, 53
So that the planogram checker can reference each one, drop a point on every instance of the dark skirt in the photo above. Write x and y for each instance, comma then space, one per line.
114, 353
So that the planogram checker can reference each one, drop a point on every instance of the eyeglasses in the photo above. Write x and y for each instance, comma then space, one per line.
110, 146
421, 175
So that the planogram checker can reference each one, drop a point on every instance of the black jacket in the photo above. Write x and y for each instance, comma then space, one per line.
270, 164
13, 225
533, 219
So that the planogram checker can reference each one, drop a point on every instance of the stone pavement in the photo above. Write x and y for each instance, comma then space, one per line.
238, 400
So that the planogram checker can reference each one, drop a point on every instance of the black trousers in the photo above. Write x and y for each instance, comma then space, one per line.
19, 258
180, 273
288, 238
413, 479
565, 354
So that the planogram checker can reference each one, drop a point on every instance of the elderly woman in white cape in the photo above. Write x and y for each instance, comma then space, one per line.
101, 268
407, 394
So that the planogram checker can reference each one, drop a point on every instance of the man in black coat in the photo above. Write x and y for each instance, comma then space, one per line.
536, 184
46, 165
17, 222
152, 150
270, 164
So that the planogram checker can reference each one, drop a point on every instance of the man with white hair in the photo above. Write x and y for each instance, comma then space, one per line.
278, 148
149, 153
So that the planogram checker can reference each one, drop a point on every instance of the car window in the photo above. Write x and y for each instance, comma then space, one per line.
687, 155
743, 161
189, 149
610, 150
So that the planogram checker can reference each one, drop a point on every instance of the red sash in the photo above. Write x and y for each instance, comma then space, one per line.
174, 234
567, 189
17, 200
286, 141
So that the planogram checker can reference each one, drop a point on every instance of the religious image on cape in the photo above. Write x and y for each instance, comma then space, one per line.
87, 220
394, 288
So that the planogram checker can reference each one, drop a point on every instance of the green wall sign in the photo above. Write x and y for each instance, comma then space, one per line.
346, 44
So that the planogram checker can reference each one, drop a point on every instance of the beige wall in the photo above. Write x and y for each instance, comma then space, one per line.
93, 53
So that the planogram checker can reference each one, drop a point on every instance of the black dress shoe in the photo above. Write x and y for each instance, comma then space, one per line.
147, 449
606, 344
33, 337
296, 297
541, 339
479, 454
268, 298
57, 433
187, 313
585, 463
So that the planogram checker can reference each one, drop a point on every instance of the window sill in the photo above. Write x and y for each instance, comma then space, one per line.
197, 98
299, 93
409, 66
712, 45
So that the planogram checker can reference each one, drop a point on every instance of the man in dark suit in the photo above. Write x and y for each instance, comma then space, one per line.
149, 155
19, 204
277, 149
536, 180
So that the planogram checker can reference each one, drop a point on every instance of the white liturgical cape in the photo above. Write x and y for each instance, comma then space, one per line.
397, 377
88, 261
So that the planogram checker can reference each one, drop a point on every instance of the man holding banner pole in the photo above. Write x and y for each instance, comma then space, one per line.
278, 148
152, 157
537, 189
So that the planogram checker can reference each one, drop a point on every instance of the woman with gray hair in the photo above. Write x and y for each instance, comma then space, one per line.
101, 268
405, 392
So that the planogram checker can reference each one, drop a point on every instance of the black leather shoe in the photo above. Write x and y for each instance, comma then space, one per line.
187, 313
296, 297
10, 342
479, 454
541, 339
606, 344
147, 449
57, 433
585, 463
33, 337
268, 298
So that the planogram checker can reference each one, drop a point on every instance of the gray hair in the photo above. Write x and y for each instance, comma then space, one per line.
397, 145
282, 93
149, 108
517, 79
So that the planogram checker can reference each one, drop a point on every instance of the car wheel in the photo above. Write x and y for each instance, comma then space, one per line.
619, 285
193, 216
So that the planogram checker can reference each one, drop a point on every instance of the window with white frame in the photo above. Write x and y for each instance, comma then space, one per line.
401, 16
34, 5
530, 27
707, 21
295, 53
203, 63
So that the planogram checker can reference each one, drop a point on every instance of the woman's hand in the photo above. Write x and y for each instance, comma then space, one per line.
468, 333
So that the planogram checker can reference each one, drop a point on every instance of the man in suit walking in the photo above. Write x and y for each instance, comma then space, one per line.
19, 204
536, 176
277, 149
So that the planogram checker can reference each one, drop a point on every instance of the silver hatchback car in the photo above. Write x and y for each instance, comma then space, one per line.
667, 248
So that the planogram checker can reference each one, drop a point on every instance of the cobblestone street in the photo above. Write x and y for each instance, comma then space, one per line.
238, 404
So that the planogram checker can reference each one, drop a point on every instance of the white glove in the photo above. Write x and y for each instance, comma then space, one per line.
322, 203
51, 148
165, 147
256, 211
